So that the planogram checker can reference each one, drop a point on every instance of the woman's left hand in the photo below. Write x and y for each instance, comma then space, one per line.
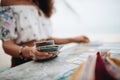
80, 39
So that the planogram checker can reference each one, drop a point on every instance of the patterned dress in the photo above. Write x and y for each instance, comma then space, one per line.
23, 23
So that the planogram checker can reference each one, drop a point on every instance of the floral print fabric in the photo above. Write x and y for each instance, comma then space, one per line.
7, 24
23, 24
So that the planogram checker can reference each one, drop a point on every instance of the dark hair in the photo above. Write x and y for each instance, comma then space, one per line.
46, 6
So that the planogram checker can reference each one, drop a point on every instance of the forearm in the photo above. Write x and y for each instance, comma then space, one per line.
78, 39
61, 40
11, 48
27, 52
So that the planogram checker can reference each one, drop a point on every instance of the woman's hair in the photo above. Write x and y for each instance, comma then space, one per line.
46, 6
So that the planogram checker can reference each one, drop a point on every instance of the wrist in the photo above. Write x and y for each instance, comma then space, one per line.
25, 52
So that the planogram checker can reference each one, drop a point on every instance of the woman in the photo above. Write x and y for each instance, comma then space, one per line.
23, 22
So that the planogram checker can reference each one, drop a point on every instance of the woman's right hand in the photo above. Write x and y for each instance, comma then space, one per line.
31, 52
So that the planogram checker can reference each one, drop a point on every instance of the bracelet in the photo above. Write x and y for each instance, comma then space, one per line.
20, 52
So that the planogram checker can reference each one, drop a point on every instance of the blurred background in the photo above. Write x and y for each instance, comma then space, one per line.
97, 19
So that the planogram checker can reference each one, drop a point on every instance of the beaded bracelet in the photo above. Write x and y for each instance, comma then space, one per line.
20, 52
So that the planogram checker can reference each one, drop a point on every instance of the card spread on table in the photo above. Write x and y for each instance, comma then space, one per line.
92, 44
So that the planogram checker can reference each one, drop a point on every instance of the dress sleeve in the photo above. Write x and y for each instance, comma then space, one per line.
7, 24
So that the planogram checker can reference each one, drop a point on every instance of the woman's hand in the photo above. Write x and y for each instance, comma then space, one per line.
80, 39
30, 52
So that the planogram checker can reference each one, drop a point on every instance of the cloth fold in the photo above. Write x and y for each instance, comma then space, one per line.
99, 67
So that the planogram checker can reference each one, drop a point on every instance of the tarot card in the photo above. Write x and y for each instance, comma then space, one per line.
49, 48
44, 43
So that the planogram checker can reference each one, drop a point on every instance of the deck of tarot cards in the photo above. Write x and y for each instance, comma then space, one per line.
48, 46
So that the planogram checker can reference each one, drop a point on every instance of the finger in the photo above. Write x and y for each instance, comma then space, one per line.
53, 53
37, 53
85, 39
44, 57
42, 54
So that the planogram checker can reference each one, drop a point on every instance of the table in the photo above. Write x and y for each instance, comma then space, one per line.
71, 56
